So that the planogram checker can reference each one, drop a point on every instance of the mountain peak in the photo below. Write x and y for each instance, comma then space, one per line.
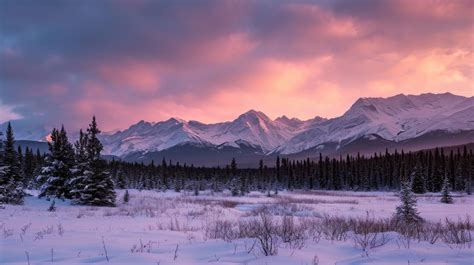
175, 120
253, 114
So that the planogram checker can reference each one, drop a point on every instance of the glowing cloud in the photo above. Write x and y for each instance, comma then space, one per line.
212, 60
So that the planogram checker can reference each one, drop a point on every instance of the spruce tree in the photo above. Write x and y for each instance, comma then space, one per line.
11, 176
29, 166
445, 195
234, 186
98, 189
417, 179
56, 173
406, 212
78, 179
236, 182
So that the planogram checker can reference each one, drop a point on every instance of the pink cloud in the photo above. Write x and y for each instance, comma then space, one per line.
212, 62
143, 78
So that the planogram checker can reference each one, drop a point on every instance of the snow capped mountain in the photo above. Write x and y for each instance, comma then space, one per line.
395, 118
369, 121
253, 127
145, 136
27, 130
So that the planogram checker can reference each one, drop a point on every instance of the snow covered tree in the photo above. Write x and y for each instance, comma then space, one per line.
56, 173
406, 212
98, 189
234, 186
11, 177
78, 179
5, 184
445, 195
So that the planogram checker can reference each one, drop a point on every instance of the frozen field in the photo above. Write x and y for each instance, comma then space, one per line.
178, 228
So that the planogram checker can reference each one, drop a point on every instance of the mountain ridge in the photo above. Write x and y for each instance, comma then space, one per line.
395, 119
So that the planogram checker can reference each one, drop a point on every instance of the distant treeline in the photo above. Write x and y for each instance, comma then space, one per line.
425, 169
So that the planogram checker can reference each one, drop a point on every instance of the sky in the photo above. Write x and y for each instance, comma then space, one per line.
125, 61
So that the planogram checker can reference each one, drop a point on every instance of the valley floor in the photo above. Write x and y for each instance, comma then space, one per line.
173, 228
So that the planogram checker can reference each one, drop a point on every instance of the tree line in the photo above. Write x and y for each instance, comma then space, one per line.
78, 172
425, 170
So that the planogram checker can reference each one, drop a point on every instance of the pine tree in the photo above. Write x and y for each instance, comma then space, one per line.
78, 179
406, 212
417, 179
121, 180
98, 189
11, 176
234, 186
56, 173
4, 185
233, 167
29, 166
236, 182
445, 196
471, 174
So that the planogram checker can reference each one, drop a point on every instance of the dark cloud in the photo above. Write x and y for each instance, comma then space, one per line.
65, 60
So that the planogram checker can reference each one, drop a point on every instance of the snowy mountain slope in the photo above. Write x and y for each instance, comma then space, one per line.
395, 118
253, 127
27, 130
145, 136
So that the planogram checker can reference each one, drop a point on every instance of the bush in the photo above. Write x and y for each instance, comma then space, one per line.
291, 233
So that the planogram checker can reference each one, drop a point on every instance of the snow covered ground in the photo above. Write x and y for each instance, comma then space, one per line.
170, 228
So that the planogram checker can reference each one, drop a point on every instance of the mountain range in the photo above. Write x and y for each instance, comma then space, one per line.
409, 122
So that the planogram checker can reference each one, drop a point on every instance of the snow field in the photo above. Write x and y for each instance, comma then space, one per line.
177, 228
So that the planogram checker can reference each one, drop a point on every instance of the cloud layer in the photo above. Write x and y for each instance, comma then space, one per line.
63, 61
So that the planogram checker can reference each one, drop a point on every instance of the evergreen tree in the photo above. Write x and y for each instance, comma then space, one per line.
120, 180
234, 186
471, 174
29, 166
78, 171
417, 179
11, 176
233, 167
98, 186
164, 177
406, 212
445, 196
56, 173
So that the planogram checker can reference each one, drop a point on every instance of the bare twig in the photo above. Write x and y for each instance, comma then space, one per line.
176, 252
27, 257
105, 249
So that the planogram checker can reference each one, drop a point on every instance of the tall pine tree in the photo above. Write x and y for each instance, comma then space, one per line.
78, 179
445, 196
406, 212
11, 176
56, 173
98, 186
417, 179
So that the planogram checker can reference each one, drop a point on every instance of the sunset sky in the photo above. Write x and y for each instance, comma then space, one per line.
124, 61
